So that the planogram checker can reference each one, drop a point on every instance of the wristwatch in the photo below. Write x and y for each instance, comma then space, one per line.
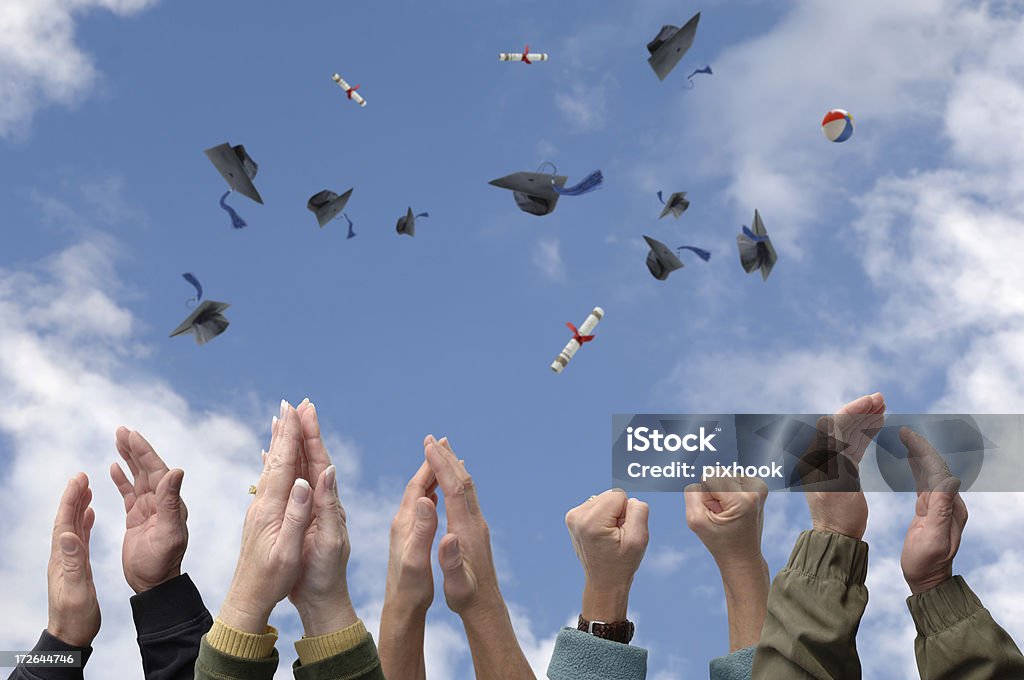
619, 631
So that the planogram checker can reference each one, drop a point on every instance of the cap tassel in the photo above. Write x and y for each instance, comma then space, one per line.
422, 214
191, 278
661, 199
701, 253
590, 183
752, 236
236, 220
351, 233
706, 70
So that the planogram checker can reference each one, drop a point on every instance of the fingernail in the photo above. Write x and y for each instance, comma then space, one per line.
176, 481
273, 423
422, 511
331, 477
300, 490
618, 489
312, 407
68, 545
430, 438
444, 441
304, 401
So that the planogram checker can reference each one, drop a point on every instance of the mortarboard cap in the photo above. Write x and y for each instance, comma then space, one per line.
676, 204
669, 46
236, 167
661, 261
407, 224
756, 249
327, 205
206, 322
533, 191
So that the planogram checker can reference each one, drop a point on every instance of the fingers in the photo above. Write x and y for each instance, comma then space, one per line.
634, 526
928, 467
941, 501
719, 486
317, 457
869, 403
123, 447
89, 520
282, 460
609, 506
168, 497
68, 509
457, 486
421, 485
297, 515
124, 487
151, 466
423, 530
330, 517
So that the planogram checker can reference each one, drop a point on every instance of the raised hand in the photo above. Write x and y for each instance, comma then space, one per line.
270, 559
940, 515
156, 533
843, 509
74, 611
410, 583
320, 593
609, 534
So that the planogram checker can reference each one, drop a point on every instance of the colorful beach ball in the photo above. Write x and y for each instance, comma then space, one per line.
837, 125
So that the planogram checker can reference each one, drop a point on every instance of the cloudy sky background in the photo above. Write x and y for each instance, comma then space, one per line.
897, 272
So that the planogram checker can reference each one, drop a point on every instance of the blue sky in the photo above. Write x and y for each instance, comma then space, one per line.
452, 332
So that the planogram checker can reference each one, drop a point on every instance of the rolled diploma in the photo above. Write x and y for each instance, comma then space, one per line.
569, 351
345, 86
515, 56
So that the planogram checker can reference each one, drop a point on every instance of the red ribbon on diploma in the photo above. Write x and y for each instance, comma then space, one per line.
350, 90
576, 334
526, 55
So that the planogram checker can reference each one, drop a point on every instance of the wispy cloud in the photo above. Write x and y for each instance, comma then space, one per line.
547, 257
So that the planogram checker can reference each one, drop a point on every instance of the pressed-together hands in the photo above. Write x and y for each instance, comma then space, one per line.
727, 514
939, 517
74, 611
284, 553
156, 533
609, 534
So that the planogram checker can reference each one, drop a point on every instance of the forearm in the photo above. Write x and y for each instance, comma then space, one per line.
493, 644
814, 609
958, 638
400, 645
746, 587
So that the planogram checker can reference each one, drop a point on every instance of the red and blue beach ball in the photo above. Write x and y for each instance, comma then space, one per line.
837, 125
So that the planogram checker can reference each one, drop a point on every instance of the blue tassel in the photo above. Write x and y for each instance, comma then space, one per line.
191, 278
706, 70
701, 253
236, 220
422, 215
590, 183
661, 199
752, 236
351, 233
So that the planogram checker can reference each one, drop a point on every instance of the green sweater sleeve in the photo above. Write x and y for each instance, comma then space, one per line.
957, 637
214, 664
814, 609
359, 663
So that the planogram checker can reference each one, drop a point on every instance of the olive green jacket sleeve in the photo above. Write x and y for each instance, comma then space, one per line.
814, 609
958, 639
358, 663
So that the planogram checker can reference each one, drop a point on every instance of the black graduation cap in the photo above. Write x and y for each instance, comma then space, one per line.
206, 322
236, 167
661, 261
676, 204
407, 222
756, 250
327, 205
537, 192
669, 46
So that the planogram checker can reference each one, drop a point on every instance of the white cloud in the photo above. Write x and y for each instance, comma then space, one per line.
40, 62
547, 257
664, 560
584, 105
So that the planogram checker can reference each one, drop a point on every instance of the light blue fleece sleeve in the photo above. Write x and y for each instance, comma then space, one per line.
736, 666
581, 656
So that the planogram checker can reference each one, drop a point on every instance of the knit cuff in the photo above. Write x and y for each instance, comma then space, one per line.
829, 556
234, 642
943, 606
313, 649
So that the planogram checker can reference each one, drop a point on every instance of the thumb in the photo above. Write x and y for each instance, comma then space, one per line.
74, 560
940, 502
449, 554
168, 496
423, 529
634, 527
297, 515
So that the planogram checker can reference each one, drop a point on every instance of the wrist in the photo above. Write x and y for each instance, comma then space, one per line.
141, 586
326, 616
924, 585
66, 636
248, 617
486, 610
605, 603
849, 531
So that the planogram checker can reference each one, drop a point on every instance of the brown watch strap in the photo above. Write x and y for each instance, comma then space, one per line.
618, 631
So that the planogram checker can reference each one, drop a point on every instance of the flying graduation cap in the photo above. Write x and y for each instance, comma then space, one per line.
537, 192
676, 204
407, 222
327, 205
669, 46
756, 250
238, 169
662, 261
206, 322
